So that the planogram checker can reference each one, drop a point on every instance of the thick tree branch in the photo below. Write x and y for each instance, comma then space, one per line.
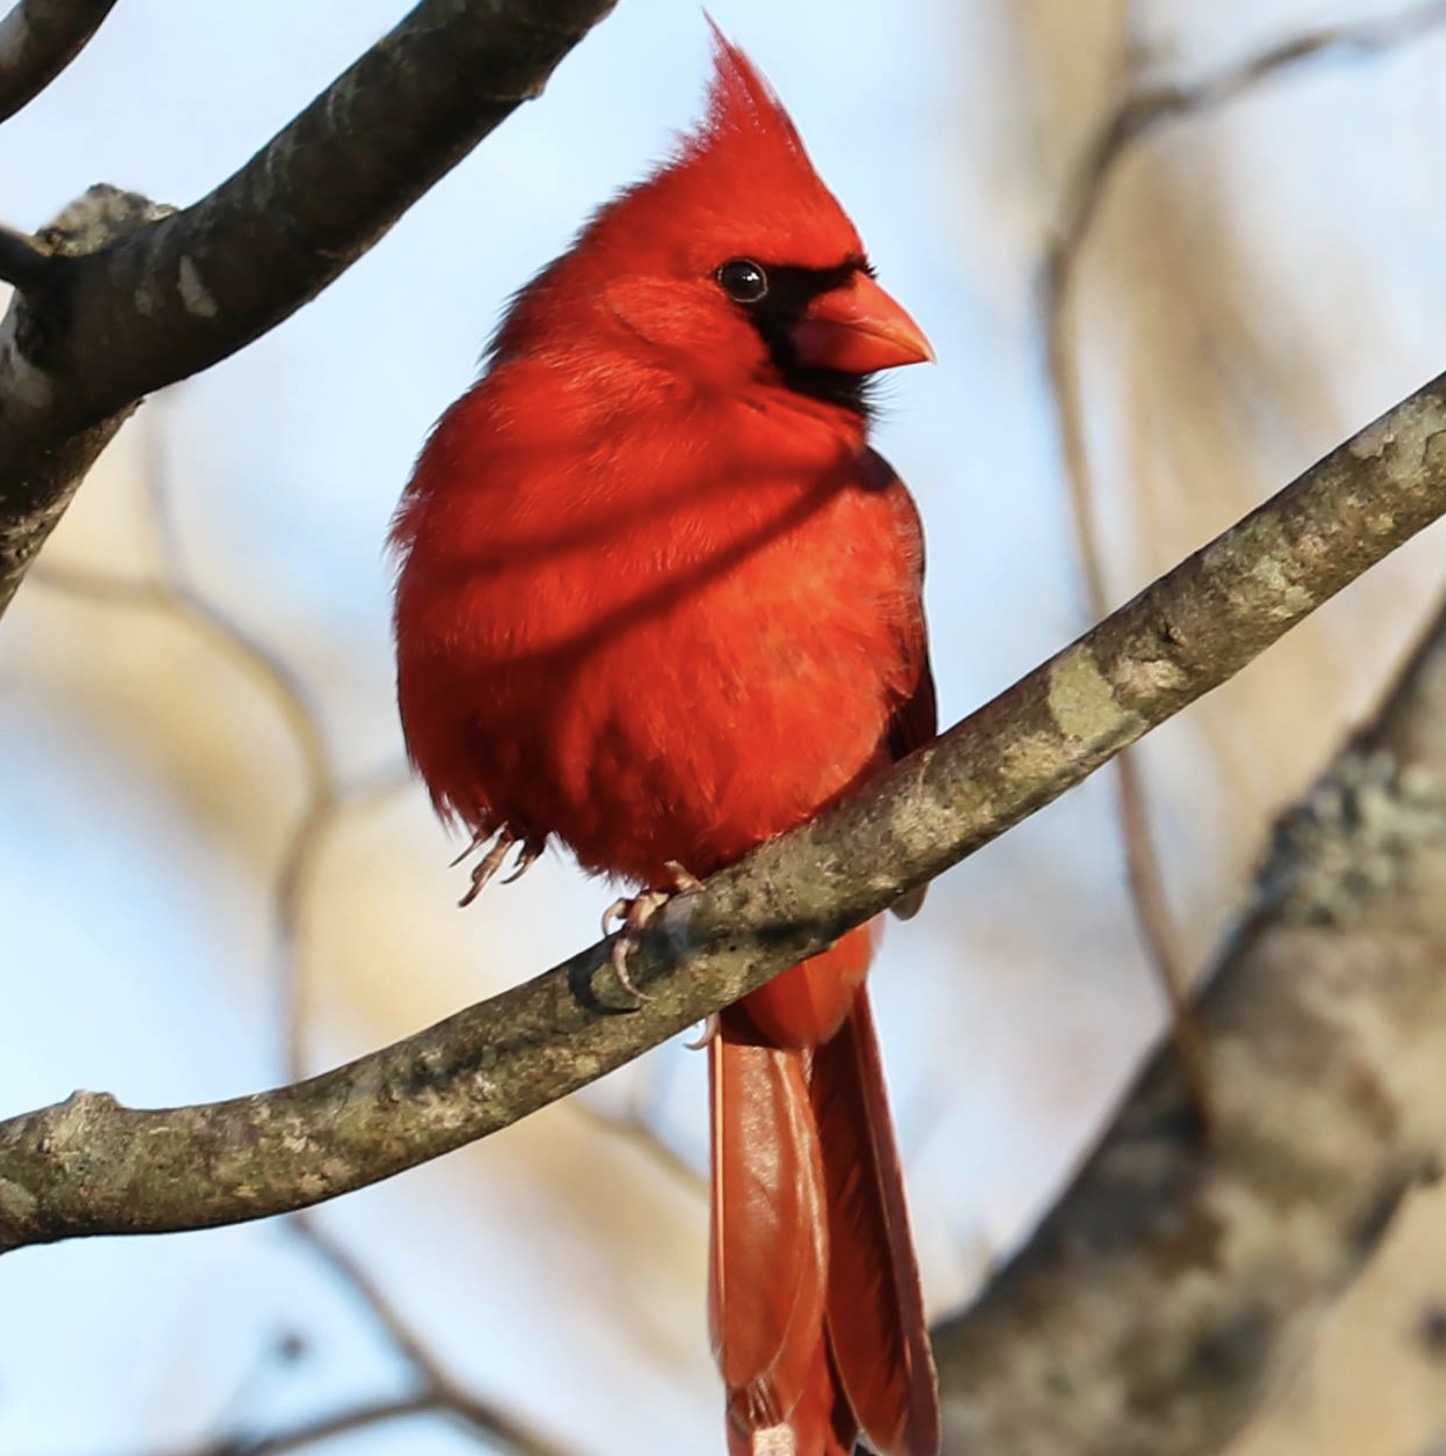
90, 1166
122, 319
1153, 1308
23, 262
38, 40
35, 490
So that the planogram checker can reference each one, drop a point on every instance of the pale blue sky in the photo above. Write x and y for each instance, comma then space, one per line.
136, 947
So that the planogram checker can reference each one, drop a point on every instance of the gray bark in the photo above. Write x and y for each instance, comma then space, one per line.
90, 1166
1167, 1290
38, 40
121, 316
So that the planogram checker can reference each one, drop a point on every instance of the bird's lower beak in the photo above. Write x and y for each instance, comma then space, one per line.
857, 329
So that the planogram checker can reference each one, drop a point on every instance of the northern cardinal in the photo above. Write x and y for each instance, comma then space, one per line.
659, 600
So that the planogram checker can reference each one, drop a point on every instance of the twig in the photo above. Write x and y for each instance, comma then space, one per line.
327, 804
316, 1430
439, 1391
90, 1166
1137, 116
633, 1127
38, 40
270, 672
1149, 106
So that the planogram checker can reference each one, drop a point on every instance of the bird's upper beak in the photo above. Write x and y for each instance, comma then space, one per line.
857, 329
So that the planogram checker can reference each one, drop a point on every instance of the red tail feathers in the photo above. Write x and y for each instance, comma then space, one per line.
817, 1320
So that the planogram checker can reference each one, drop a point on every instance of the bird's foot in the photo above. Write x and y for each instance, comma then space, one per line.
632, 915
493, 860
710, 1029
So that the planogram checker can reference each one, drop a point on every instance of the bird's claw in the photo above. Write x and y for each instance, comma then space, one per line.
478, 840
684, 883
631, 916
531, 852
711, 1028
492, 861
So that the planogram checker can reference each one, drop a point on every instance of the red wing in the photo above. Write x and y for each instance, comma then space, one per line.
916, 720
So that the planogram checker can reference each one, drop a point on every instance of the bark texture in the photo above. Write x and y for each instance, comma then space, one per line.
91, 1166
1167, 1290
38, 40
119, 318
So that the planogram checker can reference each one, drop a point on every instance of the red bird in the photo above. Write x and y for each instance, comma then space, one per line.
659, 600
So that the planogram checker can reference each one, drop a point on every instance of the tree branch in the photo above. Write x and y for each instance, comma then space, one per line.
437, 1392
1147, 107
35, 492
23, 262
38, 40
328, 798
316, 1430
1138, 114
1151, 1310
89, 1166
123, 319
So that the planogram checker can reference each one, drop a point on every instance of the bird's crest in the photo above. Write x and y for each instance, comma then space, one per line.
743, 173
740, 183
744, 112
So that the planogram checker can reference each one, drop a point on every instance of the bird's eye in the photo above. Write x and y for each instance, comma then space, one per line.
743, 280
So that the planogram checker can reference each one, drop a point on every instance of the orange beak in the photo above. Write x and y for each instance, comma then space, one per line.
857, 329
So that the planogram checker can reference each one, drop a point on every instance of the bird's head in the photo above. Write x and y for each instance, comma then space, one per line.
732, 265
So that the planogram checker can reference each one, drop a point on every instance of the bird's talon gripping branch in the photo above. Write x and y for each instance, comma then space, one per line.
631, 916
684, 882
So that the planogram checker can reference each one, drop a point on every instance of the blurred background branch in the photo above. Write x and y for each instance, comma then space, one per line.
1132, 118
1153, 1308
